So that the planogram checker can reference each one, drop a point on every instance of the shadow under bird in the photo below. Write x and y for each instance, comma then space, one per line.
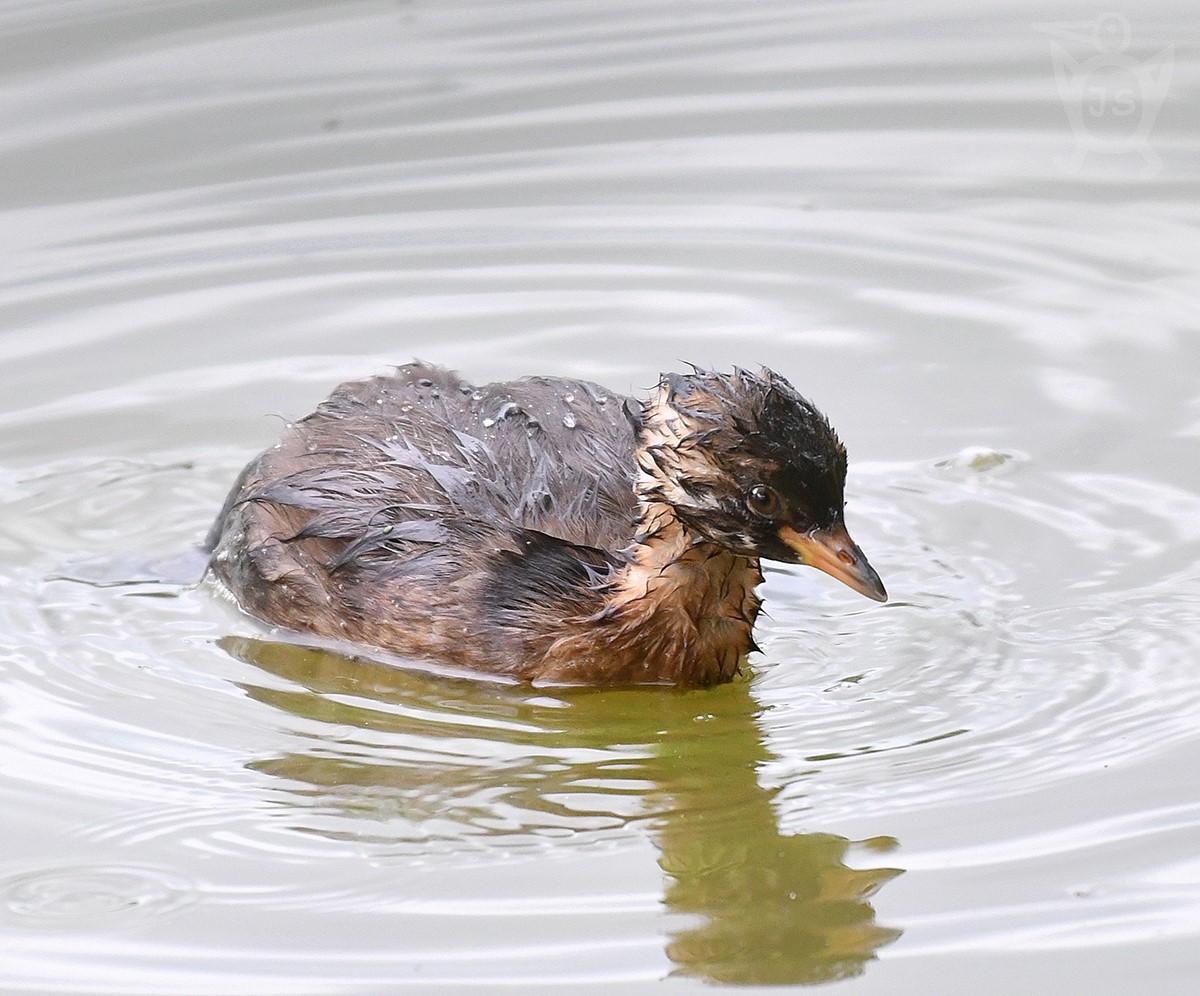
544, 528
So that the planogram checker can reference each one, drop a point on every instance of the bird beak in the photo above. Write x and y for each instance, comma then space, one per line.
833, 551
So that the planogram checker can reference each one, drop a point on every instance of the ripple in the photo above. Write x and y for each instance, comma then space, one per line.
1036, 633
504, 182
993, 671
114, 894
870, 199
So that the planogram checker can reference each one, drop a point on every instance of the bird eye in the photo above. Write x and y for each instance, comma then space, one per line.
762, 500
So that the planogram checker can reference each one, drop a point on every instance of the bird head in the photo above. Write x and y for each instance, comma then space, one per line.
747, 463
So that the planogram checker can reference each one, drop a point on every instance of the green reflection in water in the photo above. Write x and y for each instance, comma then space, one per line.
413, 750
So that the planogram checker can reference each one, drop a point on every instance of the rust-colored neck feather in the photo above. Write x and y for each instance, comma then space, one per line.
682, 609
680, 612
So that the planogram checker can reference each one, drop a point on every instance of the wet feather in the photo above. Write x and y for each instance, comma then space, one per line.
544, 528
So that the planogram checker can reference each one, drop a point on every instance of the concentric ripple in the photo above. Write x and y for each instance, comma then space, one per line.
1035, 633
83, 894
214, 213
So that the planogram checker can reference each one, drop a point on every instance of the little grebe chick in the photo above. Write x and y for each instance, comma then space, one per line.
542, 528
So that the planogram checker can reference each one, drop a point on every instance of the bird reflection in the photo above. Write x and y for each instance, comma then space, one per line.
411, 750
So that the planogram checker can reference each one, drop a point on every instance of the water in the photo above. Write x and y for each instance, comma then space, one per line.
986, 273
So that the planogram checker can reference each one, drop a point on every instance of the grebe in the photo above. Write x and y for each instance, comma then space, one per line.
543, 528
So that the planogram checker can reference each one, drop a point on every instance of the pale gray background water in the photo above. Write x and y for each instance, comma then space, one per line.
987, 273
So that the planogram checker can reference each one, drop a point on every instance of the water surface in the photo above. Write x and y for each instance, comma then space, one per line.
968, 232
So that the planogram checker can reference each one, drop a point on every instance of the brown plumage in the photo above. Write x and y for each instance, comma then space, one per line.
543, 528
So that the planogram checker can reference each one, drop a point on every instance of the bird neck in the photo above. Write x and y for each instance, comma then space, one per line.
666, 552
679, 609
687, 605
